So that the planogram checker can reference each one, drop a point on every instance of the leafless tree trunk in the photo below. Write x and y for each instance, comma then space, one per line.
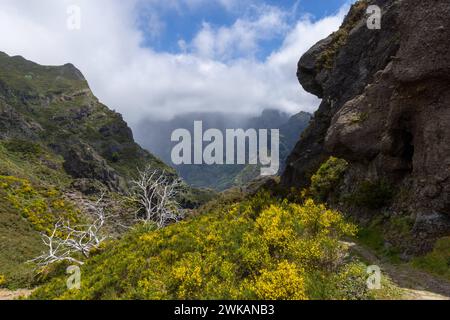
155, 194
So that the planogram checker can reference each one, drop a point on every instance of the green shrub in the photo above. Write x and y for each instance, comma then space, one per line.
25, 147
115, 157
327, 178
437, 261
42, 208
395, 230
372, 237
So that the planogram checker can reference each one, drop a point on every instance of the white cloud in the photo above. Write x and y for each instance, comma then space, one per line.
243, 37
139, 82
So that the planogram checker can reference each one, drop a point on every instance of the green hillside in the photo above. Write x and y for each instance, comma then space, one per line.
54, 107
58, 146
258, 248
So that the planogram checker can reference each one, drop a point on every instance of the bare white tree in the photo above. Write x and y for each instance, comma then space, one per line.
84, 238
57, 249
66, 241
155, 194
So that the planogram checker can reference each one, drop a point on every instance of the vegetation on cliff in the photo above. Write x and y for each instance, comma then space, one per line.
339, 38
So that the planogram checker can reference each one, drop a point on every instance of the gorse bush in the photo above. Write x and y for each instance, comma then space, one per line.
260, 248
285, 282
27, 209
42, 208
327, 178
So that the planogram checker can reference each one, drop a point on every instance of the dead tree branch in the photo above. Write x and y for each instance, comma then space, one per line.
66, 241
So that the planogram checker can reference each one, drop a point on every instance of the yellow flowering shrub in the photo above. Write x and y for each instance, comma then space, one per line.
274, 224
259, 248
286, 282
43, 208
2, 280
188, 273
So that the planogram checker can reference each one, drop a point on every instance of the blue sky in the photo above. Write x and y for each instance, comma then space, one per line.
160, 58
184, 21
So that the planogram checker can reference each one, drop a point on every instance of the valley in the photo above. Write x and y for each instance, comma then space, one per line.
187, 207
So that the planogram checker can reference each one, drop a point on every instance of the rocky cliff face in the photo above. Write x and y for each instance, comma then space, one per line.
55, 108
385, 108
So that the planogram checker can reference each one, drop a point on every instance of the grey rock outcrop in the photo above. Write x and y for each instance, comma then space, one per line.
386, 107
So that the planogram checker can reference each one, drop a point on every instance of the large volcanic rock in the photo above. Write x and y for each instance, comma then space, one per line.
386, 106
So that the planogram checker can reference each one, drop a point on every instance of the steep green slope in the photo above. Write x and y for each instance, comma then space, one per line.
56, 141
25, 211
260, 248
21, 220
19, 241
54, 106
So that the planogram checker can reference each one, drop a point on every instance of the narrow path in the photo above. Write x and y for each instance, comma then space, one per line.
416, 284
11, 295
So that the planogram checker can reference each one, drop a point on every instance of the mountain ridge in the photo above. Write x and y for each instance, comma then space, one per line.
56, 107
156, 136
